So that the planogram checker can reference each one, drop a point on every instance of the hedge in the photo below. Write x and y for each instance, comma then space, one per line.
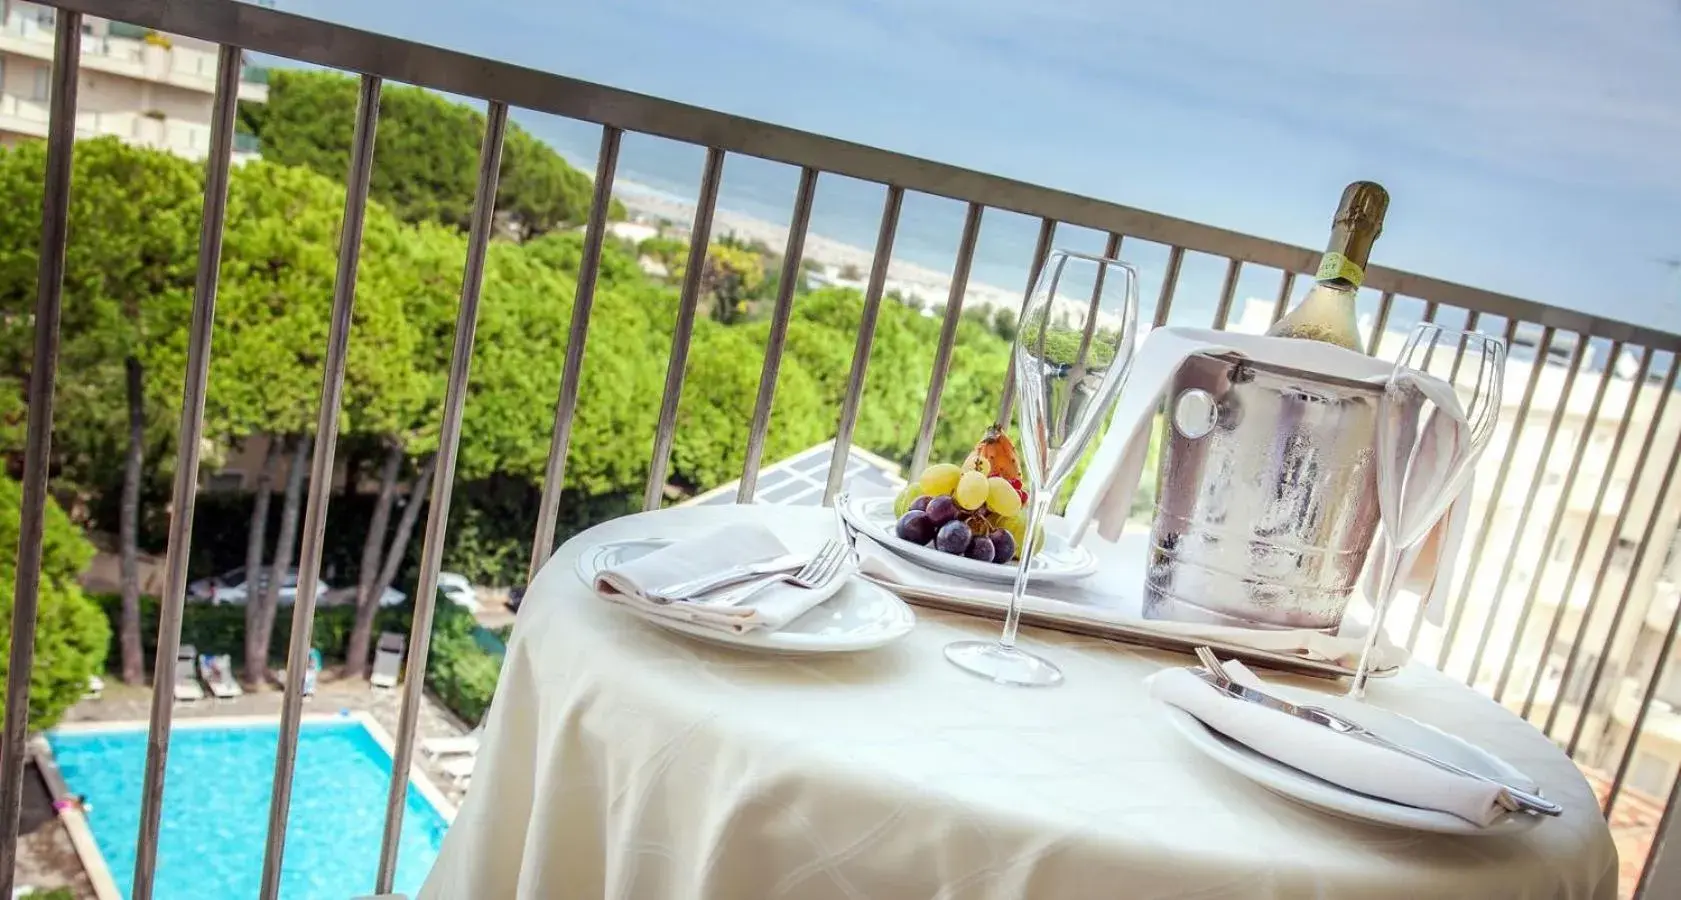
460, 671
70, 638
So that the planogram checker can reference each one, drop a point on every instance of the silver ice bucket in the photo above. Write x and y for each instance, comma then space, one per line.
1267, 499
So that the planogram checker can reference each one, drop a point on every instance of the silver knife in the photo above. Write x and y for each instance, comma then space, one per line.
1520, 799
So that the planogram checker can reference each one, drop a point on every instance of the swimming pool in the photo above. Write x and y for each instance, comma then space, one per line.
216, 801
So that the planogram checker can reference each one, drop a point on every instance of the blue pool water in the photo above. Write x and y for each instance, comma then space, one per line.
215, 811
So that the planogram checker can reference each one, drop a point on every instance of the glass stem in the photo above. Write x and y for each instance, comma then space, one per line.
1380, 608
1041, 507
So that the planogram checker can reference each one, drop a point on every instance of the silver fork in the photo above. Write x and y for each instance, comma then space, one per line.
1514, 798
823, 569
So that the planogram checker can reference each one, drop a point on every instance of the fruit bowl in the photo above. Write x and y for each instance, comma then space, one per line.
1056, 562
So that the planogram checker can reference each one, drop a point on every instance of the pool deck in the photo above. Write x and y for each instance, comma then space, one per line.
48, 854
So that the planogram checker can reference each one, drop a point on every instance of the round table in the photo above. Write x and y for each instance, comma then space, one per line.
623, 761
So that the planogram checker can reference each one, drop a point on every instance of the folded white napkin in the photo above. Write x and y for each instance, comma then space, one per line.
1104, 495
1339, 759
1112, 596
766, 610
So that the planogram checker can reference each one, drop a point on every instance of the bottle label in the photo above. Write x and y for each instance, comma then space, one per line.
1333, 266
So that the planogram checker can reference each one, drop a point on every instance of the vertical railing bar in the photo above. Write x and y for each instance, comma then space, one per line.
1373, 344
184, 495
948, 339
1471, 319
792, 256
1041, 252
1628, 583
1605, 479
1660, 667
571, 372
1518, 424
1638, 472
866, 338
321, 477
1170, 283
700, 238
49, 295
1557, 522
443, 483
1286, 287
1496, 599
1228, 292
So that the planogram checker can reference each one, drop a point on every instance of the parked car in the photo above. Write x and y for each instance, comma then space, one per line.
458, 590
232, 587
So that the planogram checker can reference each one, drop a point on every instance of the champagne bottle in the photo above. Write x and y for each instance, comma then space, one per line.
1327, 313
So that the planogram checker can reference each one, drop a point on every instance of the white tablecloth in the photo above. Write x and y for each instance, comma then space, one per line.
621, 761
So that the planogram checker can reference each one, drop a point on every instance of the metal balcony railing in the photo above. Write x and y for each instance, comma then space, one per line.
1628, 372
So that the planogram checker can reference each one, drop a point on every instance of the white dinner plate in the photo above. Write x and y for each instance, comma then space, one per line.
1294, 784
1057, 562
855, 616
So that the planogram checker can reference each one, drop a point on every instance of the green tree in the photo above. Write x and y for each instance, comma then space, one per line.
667, 251
425, 154
733, 277
71, 634
821, 337
412, 279
274, 308
128, 286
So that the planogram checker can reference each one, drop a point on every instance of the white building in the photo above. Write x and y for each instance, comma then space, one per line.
147, 88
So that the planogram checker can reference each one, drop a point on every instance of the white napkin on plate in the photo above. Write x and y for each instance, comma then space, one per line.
1083, 603
1345, 761
1104, 496
767, 610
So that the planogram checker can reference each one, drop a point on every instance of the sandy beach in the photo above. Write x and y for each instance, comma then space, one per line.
929, 287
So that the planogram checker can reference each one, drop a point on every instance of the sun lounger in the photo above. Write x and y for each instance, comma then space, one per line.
186, 681
388, 660
459, 769
217, 672
457, 745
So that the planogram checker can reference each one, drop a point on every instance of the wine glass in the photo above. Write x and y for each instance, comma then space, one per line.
1434, 420
1073, 346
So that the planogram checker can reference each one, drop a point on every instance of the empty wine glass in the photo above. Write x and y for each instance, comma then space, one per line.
1073, 346
1434, 420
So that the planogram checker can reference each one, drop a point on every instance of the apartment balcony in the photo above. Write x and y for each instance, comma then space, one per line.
1497, 586
151, 57
22, 117
25, 117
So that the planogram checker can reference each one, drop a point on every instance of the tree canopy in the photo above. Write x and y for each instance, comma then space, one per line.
273, 311
426, 153
128, 291
128, 281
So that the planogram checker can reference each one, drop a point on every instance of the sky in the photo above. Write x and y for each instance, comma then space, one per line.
1530, 146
